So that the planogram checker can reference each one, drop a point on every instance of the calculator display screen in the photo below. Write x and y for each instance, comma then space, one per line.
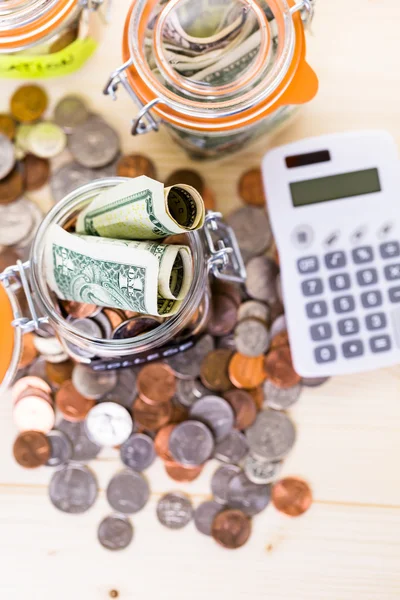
335, 187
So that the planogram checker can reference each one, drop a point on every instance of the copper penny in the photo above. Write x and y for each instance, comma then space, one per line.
35, 392
280, 339
115, 316
36, 172
246, 371
291, 496
28, 103
231, 528
188, 177
243, 406
276, 310
151, 416
11, 187
161, 442
134, 326
8, 257
182, 474
258, 396
178, 238
214, 370
135, 165
209, 199
7, 126
31, 449
251, 188
72, 404
279, 368
223, 316
26, 383
58, 373
29, 352
179, 413
79, 310
156, 383
227, 289
64, 40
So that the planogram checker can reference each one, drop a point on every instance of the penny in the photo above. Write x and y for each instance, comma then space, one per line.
251, 188
280, 339
68, 178
94, 144
108, 424
138, 452
60, 448
216, 413
214, 370
220, 481
7, 126
232, 449
33, 412
128, 492
261, 471
280, 398
246, 372
258, 396
209, 199
182, 474
272, 435
243, 406
36, 172
219, 286
231, 529
174, 510
135, 165
191, 443
310, 381
151, 416
188, 177
279, 368
156, 383
188, 391
291, 496
252, 338
8, 258
73, 406
64, 39
254, 309
223, 315
247, 496
58, 373
79, 310
7, 156
134, 327
46, 140
260, 281
28, 103
83, 448
91, 384
252, 229
115, 532
73, 489
115, 317
25, 383
11, 187
205, 514
31, 449
161, 442
70, 112
187, 364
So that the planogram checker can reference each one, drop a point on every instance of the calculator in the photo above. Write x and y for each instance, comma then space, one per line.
334, 206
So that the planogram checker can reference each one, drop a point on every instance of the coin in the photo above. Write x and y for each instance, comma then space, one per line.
191, 443
255, 310
31, 449
312, 381
46, 140
50, 348
63, 40
156, 383
258, 396
7, 126
36, 172
261, 471
125, 391
183, 474
209, 199
216, 413
138, 452
174, 510
243, 406
214, 370
292, 496
232, 449
68, 178
60, 448
115, 317
278, 325
83, 448
233, 291
29, 352
128, 492
105, 325
134, 327
188, 391
11, 187
23, 384
94, 144
231, 529
33, 413
108, 424
188, 177
223, 315
205, 514
249, 497
8, 258
91, 384
260, 281
279, 368
58, 373
272, 435
73, 489
220, 481
251, 188
73, 406
246, 372
252, 229
161, 442
79, 310
227, 342
135, 165
280, 398
115, 532
187, 364
7, 157
70, 112
280, 339
28, 103
150, 416
252, 338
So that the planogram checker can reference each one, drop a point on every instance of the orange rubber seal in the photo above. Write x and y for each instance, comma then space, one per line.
7, 333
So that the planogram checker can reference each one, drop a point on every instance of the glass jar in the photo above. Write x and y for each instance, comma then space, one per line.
46, 38
217, 73
215, 253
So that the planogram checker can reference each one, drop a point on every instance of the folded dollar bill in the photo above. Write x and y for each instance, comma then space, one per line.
145, 277
141, 209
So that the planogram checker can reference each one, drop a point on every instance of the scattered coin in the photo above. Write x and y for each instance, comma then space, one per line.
246, 372
28, 103
280, 398
231, 529
156, 383
91, 384
280, 339
7, 126
125, 390
271, 436
187, 364
188, 391
70, 113
191, 443
251, 337
314, 381
216, 413
33, 413
254, 309
188, 177
205, 514
83, 448
233, 448
292, 496
11, 187
260, 282
249, 497
108, 424
128, 492
223, 315
261, 471
183, 474
73, 489
94, 144
174, 510
149, 416
135, 165
31, 449
214, 370
58, 373
60, 448
243, 406
278, 325
138, 452
36, 172
279, 368
68, 178
252, 229
220, 482
7, 156
73, 406
161, 442
115, 532
46, 140
251, 188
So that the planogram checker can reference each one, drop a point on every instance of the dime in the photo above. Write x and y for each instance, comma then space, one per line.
91, 384
11, 187
280, 398
138, 452
174, 510
247, 496
232, 449
272, 435
161, 442
46, 140
134, 327
260, 281
36, 172
94, 144
252, 338
246, 372
252, 229
231, 529
243, 406
251, 188
83, 448
73, 406
205, 514
7, 157
254, 309
150, 416
31, 449
220, 481
279, 368
7, 126
60, 448
128, 492
216, 413
191, 443
73, 489
214, 370
79, 310
187, 364
261, 471
33, 413
188, 177
115, 532
29, 351
108, 424
28, 103
156, 383
58, 373
70, 112
183, 474
314, 381
188, 391
292, 496
68, 178
223, 315
135, 165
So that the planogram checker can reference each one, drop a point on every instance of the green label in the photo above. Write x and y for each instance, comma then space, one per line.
60, 63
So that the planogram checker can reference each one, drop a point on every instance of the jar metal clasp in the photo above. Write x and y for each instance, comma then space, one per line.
225, 260
307, 10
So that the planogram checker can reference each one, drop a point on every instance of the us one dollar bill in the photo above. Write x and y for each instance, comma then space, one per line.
145, 277
142, 209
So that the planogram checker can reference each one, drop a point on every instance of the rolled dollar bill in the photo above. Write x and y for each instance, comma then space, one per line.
145, 277
141, 209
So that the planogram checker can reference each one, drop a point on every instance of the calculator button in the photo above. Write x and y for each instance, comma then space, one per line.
390, 249
381, 343
302, 236
376, 321
394, 294
320, 332
344, 304
372, 299
340, 282
324, 354
318, 309
353, 349
308, 264
335, 260
392, 272
367, 276
363, 254
312, 287
348, 326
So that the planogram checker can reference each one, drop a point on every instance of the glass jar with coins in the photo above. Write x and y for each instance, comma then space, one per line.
108, 338
48, 38
215, 73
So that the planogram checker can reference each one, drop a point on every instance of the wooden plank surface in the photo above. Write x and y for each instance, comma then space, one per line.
347, 546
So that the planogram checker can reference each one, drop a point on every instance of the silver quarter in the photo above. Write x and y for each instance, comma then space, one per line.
253, 231
247, 496
187, 364
205, 514
138, 452
70, 113
271, 436
254, 309
191, 443
278, 325
174, 510
220, 481
7, 156
216, 413
115, 532
314, 381
94, 144
252, 338
60, 448
261, 276
280, 398
128, 492
108, 424
73, 489
17, 220
188, 391
68, 178
83, 448
92, 384
233, 448
261, 471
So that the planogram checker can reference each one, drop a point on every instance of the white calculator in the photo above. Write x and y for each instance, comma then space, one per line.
334, 205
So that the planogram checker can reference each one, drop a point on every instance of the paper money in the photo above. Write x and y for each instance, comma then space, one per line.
141, 209
145, 277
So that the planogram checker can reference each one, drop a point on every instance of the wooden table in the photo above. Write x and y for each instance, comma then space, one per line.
347, 545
